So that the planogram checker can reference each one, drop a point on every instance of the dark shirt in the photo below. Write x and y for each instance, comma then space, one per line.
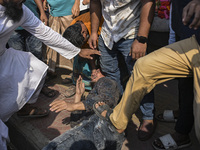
105, 90
180, 29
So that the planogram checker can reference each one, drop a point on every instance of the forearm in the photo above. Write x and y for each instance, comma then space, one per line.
79, 106
40, 7
146, 17
95, 14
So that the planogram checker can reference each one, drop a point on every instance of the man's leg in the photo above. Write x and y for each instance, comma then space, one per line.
109, 62
30, 111
16, 41
34, 45
147, 104
157, 67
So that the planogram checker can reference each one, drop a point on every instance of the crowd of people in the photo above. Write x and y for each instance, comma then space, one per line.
106, 46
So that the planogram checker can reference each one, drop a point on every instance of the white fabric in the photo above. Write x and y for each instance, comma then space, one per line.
83, 7
21, 72
121, 20
3, 136
168, 141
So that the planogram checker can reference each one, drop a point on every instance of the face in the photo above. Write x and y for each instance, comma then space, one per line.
13, 9
95, 75
84, 31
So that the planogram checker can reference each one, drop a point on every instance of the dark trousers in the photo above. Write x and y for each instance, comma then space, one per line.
185, 120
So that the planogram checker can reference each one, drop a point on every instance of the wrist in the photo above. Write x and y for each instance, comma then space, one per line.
142, 39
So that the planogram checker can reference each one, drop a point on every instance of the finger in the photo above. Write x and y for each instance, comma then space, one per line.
195, 21
95, 52
133, 56
90, 44
188, 13
137, 55
94, 44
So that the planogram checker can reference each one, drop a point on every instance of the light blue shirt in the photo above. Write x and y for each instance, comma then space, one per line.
60, 8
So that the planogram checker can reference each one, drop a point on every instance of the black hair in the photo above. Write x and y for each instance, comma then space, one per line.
73, 35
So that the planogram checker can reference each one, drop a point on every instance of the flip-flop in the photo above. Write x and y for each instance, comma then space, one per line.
48, 92
102, 108
33, 112
169, 143
167, 116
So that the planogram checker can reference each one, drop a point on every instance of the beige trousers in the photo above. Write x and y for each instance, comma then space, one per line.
179, 60
54, 59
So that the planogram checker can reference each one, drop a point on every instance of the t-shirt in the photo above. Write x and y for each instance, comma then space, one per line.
180, 29
60, 8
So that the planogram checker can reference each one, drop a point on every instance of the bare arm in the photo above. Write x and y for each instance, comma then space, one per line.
76, 9
147, 13
43, 16
95, 13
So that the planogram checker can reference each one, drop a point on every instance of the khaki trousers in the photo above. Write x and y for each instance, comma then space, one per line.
179, 60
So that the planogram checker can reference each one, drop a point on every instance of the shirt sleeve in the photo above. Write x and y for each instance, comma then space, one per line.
105, 90
49, 37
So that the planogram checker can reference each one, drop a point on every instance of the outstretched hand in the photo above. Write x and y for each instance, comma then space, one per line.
60, 105
190, 10
86, 53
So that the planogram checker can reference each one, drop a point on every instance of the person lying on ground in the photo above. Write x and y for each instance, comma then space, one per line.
105, 89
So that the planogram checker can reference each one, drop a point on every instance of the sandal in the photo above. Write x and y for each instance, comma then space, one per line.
167, 142
167, 116
48, 92
32, 112
102, 108
71, 91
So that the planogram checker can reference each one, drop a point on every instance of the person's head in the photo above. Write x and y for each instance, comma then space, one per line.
13, 9
77, 34
96, 74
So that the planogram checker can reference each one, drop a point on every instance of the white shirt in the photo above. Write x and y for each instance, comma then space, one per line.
21, 72
121, 20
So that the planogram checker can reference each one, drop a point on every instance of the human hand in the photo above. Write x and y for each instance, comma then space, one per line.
92, 41
190, 10
86, 2
138, 50
86, 53
44, 18
60, 105
80, 86
75, 9
45, 5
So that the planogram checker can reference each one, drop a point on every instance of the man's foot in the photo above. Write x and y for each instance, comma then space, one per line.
29, 111
103, 111
173, 141
146, 130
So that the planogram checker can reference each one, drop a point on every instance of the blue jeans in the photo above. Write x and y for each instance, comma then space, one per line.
91, 134
24, 41
109, 65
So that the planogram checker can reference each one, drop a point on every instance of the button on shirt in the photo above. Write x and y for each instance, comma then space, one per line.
121, 20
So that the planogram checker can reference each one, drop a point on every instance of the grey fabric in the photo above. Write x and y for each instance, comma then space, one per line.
91, 134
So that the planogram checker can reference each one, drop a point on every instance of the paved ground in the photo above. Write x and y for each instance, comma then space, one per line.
33, 134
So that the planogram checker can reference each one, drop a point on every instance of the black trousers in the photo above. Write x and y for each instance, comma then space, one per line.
185, 120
